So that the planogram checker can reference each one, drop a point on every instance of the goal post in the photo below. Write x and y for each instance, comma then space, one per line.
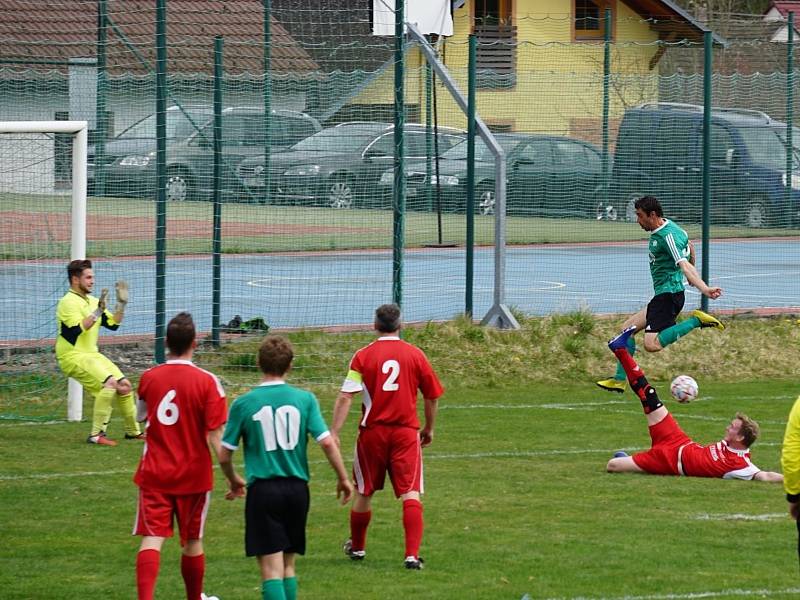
80, 140
499, 315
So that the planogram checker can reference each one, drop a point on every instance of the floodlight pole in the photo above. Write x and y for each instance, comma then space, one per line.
499, 315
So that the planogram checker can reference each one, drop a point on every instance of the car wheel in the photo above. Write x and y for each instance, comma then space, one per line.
630, 207
605, 211
340, 193
485, 198
178, 186
756, 214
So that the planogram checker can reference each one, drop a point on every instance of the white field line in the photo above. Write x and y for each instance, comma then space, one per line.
741, 517
764, 593
428, 456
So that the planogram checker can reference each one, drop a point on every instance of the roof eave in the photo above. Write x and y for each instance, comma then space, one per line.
716, 39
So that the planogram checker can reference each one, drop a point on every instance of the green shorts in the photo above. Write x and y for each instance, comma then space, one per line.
90, 369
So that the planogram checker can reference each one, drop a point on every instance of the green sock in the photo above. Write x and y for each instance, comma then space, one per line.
102, 409
677, 331
620, 374
290, 587
272, 589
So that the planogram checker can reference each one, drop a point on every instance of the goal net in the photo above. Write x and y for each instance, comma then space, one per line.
42, 164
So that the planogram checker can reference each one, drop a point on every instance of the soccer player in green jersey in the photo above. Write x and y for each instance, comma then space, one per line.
274, 421
80, 316
671, 259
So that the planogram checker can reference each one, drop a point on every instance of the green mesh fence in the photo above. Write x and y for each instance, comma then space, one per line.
306, 236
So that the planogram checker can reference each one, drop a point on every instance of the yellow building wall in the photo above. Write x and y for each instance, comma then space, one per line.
559, 82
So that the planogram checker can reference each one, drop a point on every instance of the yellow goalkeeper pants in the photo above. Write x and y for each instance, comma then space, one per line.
92, 370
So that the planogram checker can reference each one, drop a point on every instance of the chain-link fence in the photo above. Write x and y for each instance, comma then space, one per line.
590, 117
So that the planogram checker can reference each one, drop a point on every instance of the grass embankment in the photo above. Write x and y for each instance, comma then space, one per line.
552, 350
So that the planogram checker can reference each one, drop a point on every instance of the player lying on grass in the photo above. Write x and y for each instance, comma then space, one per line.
672, 452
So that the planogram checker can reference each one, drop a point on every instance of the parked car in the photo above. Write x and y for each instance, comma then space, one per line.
340, 166
140, 139
546, 175
659, 151
190, 160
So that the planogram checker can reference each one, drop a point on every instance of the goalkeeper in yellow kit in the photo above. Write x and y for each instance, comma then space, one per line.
80, 316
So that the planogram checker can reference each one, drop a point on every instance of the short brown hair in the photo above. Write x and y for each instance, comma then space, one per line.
76, 267
180, 333
275, 355
649, 204
748, 430
387, 318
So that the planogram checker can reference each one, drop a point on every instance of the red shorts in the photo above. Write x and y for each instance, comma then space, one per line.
388, 448
662, 459
155, 512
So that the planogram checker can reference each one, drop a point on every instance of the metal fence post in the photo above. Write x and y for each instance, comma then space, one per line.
707, 48
606, 84
161, 177
470, 210
216, 244
267, 87
399, 191
101, 120
787, 189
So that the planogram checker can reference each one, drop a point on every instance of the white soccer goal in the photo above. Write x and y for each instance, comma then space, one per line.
21, 136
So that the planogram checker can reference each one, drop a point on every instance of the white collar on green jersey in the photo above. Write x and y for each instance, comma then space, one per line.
276, 382
660, 227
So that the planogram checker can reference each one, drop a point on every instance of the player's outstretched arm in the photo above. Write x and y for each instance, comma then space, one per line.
768, 476
694, 279
344, 488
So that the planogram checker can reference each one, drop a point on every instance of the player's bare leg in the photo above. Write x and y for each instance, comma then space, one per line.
655, 342
272, 569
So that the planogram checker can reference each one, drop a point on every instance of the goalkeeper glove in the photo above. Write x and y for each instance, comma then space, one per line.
121, 287
101, 304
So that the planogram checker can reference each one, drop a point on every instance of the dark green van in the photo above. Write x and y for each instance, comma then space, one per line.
659, 152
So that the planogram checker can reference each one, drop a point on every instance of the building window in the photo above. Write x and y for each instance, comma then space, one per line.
590, 18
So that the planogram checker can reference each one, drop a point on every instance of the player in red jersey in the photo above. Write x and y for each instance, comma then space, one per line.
672, 452
388, 372
185, 410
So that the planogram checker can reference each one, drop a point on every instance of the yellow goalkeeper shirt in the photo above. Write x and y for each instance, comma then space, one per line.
790, 455
72, 309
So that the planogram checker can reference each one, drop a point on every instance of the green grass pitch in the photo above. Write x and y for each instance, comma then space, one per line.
517, 502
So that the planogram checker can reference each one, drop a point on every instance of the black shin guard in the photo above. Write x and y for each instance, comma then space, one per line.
650, 402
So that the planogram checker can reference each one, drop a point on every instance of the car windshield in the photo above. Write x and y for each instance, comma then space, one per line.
767, 147
336, 139
482, 151
795, 143
178, 126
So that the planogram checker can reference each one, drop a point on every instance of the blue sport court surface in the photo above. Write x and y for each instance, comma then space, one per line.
343, 288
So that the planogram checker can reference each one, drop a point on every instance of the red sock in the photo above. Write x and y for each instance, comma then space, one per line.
147, 562
193, 568
359, 521
412, 524
639, 384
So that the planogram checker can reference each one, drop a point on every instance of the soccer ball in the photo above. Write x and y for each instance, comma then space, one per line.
683, 388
